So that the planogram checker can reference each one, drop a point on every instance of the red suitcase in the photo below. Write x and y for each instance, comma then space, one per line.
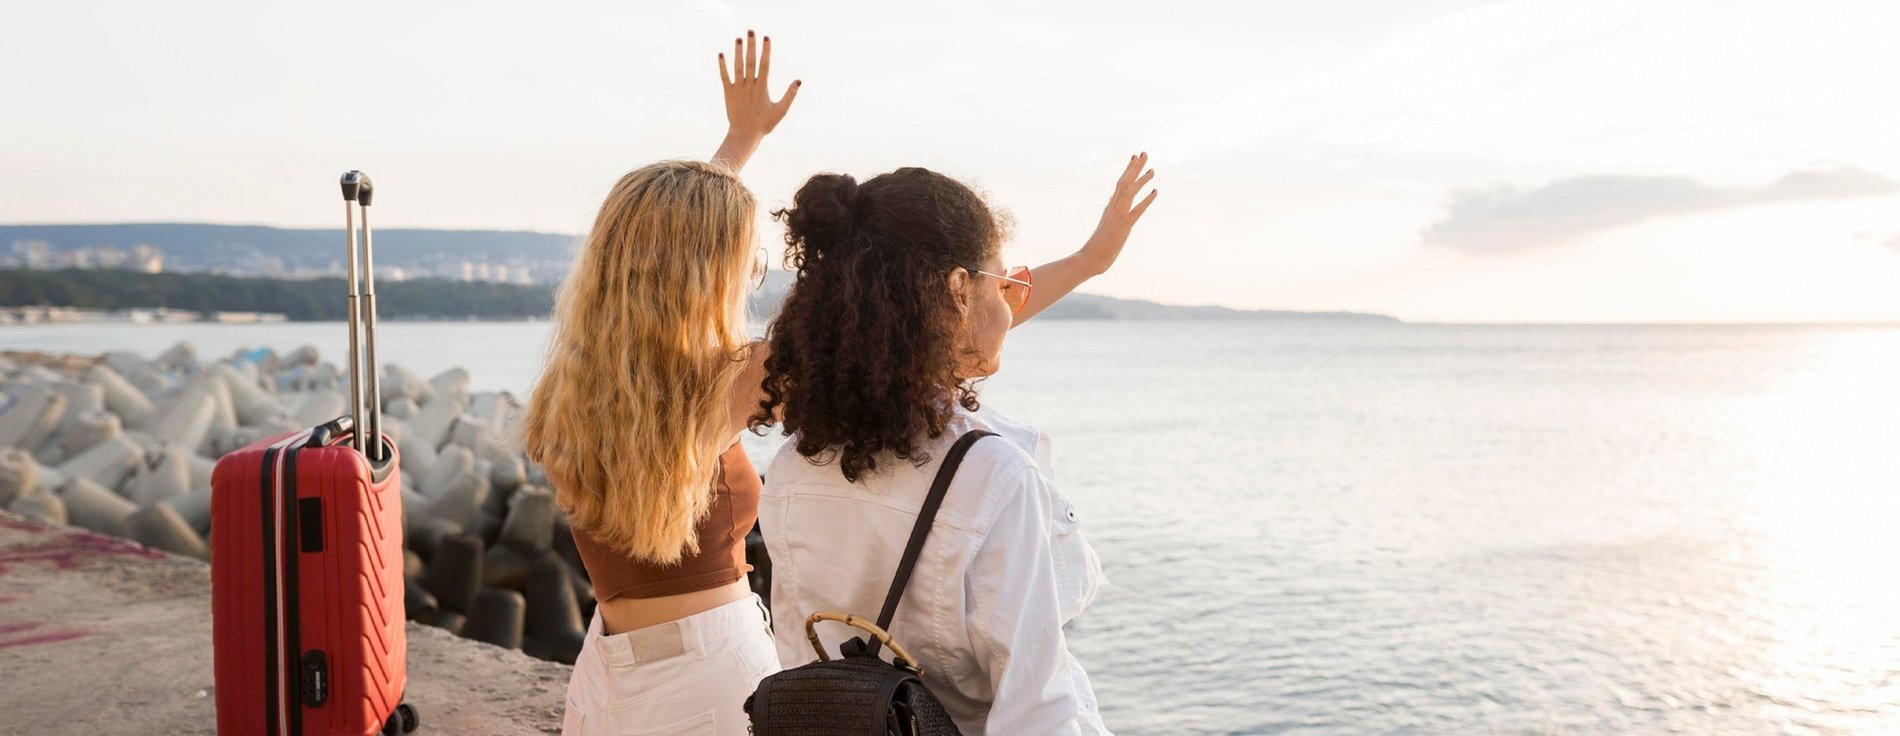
306, 560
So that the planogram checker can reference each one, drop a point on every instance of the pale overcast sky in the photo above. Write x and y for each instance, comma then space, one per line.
1525, 160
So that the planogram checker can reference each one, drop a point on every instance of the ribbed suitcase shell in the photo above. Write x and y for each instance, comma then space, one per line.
347, 600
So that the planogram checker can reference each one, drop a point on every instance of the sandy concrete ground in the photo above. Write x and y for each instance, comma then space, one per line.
99, 635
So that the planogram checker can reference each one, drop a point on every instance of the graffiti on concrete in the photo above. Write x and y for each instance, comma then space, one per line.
69, 551
26, 635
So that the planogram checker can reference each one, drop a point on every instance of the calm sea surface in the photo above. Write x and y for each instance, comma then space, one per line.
1426, 529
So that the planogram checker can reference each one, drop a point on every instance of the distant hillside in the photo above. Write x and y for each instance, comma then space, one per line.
1092, 306
199, 247
299, 300
253, 254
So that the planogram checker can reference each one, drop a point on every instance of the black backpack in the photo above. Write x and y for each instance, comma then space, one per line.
860, 693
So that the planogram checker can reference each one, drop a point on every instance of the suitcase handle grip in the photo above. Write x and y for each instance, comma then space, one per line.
320, 436
357, 187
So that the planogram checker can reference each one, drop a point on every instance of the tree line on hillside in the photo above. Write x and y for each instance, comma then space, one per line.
311, 300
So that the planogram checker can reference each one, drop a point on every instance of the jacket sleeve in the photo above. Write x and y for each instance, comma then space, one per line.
1015, 620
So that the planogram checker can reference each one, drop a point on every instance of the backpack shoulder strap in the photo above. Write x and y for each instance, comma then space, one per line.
925, 517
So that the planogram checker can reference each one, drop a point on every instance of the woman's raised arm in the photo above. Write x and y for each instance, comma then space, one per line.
750, 111
1057, 278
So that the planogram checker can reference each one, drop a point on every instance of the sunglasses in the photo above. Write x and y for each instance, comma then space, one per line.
1015, 286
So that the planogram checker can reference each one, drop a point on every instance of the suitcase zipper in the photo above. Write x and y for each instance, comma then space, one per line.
276, 706
266, 504
293, 625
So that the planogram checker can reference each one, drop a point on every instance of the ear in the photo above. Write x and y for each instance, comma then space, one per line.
958, 282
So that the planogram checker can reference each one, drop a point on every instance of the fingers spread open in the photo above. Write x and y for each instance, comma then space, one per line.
1143, 207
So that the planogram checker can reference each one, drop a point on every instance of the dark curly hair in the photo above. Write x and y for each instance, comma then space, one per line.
864, 350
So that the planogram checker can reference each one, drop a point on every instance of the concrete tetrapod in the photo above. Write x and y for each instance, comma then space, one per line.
182, 356
19, 474
418, 604
449, 467
461, 502
506, 475
503, 567
32, 417
454, 576
431, 423
159, 527
134, 409
317, 407
498, 618
41, 507
107, 463
91, 506
452, 382
84, 431
163, 473
194, 507
554, 629
248, 401
529, 526
81, 398
186, 420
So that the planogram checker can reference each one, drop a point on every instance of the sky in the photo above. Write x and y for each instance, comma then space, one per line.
1513, 161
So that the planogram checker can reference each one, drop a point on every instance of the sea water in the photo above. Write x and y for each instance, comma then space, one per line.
1354, 528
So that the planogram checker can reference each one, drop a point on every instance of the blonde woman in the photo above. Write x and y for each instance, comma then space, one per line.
636, 419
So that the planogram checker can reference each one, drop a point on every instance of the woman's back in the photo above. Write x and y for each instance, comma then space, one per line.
1004, 568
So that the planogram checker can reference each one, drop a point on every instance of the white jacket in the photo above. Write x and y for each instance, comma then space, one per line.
1005, 567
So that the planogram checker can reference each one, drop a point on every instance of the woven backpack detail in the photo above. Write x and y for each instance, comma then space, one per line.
861, 693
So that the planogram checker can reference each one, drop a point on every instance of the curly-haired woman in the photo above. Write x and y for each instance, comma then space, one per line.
901, 302
636, 418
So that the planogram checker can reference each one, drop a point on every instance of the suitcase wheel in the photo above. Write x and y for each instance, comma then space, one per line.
404, 720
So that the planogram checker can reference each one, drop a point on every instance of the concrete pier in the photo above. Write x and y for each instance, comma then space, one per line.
100, 635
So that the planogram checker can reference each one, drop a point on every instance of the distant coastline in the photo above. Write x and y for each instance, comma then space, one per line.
84, 296
422, 275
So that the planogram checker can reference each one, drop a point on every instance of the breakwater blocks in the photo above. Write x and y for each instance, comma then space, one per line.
124, 445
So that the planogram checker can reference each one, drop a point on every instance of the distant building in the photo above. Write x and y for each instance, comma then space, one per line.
244, 317
34, 254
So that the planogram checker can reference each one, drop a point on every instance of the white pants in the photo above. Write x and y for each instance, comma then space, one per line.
689, 676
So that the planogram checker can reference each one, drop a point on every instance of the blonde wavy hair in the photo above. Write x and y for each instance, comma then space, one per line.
632, 409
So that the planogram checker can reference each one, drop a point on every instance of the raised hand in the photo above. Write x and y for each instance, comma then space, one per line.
750, 111
1057, 278
1119, 217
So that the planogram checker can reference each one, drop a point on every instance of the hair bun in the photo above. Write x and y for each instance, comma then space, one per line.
848, 191
823, 217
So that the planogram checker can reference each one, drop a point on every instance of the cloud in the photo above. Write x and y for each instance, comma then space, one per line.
1511, 219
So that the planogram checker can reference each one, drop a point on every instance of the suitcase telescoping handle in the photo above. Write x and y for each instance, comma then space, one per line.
366, 404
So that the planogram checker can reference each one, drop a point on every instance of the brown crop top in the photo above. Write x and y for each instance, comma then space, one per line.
721, 557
